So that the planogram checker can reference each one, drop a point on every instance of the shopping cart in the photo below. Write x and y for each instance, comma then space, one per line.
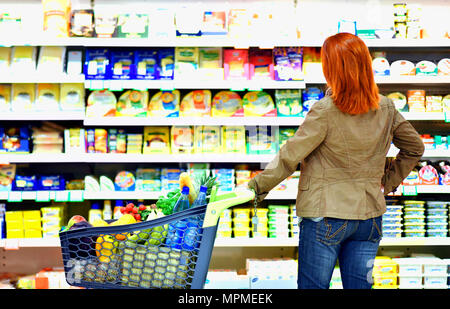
169, 252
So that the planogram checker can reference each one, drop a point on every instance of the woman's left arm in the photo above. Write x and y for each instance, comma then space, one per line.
308, 136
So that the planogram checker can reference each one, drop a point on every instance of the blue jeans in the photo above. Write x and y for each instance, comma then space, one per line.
353, 242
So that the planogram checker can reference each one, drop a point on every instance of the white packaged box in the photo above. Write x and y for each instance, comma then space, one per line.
224, 279
409, 266
273, 282
410, 282
435, 282
434, 266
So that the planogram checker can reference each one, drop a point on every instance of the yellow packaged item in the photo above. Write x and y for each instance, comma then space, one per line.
156, 140
384, 266
47, 97
233, 139
196, 103
23, 59
384, 281
207, 139
72, 97
182, 139
14, 233
211, 63
101, 141
227, 104
14, 225
165, 104
133, 103
433, 103
244, 232
32, 233
56, 17
258, 103
13, 216
101, 103
31, 215
23, 97
5, 58
51, 59
446, 103
5, 98
186, 61
32, 224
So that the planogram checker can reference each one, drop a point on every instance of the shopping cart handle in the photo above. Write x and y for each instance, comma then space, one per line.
224, 201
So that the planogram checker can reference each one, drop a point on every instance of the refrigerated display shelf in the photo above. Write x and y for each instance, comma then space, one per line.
210, 41
17, 243
167, 121
6, 158
390, 80
78, 195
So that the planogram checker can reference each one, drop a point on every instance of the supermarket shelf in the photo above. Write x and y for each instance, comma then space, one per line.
193, 82
165, 121
212, 41
194, 121
36, 116
41, 78
162, 158
430, 80
12, 244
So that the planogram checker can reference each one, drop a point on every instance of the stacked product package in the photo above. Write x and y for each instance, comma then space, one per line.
385, 273
414, 218
437, 219
392, 225
225, 177
23, 224
52, 220
225, 226
278, 222
241, 222
260, 228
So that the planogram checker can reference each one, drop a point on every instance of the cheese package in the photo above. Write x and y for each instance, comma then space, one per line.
446, 103
233, 139
100, 140
214, 23
106, 184
288, 102
71, 97
182, 139
166, 63
433, 103
47, 97
5, 97
134, 143
5, 59
51, 59
428, 175
236, 64
56, 17
23, 97
23, 59
399, 100
381, 66
211, 63
7, 175
74, 141
101, 103
196, 103
188, 20
262, 140
238, 23
403, 67
444, 66
227, 104
132, 25
133, 103
288, 63
186, 61
91, 184
261, 64
207, 139
285, 134
258, 103
426, 68
156, 140
416, 100
165, 104
105, 24
146, 61
82, 23
122, 64
74, 61
125, 181
96, 64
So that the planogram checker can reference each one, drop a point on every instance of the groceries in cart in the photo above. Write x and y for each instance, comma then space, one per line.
153, 246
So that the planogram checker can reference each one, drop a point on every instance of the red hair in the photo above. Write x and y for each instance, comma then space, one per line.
347, 66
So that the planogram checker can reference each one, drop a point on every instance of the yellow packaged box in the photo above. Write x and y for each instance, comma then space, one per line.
33, 233
14, 216
233, 139
14, 225
17, 233
32, 215
32, 224
384, 266
156, 140
47, 97
182, 139
207, 139
385, 281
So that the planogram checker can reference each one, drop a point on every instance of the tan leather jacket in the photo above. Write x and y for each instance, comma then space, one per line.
343, 161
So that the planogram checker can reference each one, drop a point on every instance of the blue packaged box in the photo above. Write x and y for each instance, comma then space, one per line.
55, 182
146, 64
15, 139
122, 64
97, 63
166, 63
24, 183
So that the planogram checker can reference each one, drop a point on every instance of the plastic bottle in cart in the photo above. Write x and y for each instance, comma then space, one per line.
94, 213
201, 198
117, 213
177, 229
107, 212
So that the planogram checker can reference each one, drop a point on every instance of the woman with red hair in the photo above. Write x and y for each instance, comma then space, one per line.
341, 147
